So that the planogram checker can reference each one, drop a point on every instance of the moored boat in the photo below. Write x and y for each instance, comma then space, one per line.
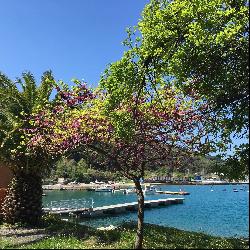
105, 188
129, 191
118, 191
149, 190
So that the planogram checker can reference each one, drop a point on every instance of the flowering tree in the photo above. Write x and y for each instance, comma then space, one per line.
135, 120
138, 119
138, 133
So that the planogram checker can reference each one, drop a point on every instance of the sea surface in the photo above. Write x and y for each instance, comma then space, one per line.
215, 210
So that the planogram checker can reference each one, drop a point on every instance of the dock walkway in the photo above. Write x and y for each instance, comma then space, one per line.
112, 209
173, 193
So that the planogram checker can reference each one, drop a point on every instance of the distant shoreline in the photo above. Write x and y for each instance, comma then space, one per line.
84, 186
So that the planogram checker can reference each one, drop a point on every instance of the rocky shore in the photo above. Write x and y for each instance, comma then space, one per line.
84, 186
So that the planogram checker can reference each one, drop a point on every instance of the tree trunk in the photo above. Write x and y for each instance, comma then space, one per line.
23, 202
139, 233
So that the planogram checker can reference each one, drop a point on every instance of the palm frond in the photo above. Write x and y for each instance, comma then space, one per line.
45, 89
18, 100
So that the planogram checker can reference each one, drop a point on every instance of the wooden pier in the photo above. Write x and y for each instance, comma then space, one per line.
112, 209
174, 193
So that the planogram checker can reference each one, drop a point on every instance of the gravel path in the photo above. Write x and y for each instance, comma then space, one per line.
19, 236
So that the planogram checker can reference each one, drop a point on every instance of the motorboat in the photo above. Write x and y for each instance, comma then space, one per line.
235, 190
99, 182
129, 191
118, 190
149, 190
104, 188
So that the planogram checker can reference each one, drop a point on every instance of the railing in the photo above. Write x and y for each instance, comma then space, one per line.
69, 204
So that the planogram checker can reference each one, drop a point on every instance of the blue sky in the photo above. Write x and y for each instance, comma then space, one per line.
73, 38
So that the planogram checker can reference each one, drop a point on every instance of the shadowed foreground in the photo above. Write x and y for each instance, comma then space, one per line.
56, 234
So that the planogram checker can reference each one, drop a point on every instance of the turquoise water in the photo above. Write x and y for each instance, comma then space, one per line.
219, 212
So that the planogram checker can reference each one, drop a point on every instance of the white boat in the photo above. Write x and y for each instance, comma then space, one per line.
149, 190
129, 191
99, 182
212, 181
118, 190
105, 188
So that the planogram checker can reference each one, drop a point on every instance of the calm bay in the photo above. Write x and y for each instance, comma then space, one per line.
215, 210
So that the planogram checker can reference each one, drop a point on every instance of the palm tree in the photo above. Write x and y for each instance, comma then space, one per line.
19, 99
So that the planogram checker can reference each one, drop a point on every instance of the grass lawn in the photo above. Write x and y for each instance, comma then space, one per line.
67, 235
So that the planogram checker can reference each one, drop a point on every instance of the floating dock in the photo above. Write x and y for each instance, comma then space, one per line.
112, 209
174, 193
